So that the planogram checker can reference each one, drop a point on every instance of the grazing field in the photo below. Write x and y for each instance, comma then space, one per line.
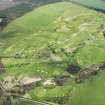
98, 4
45, 42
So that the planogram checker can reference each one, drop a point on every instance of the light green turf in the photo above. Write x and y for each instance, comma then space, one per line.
89, 93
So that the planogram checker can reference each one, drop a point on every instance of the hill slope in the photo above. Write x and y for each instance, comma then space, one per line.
46, 40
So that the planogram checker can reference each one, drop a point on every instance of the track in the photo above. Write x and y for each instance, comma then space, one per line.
33, 102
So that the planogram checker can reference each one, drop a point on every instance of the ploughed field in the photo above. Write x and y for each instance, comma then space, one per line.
46, 43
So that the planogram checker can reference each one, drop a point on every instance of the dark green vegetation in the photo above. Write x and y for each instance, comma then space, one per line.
50, 42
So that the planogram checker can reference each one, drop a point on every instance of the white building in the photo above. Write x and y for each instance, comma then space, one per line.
1, 19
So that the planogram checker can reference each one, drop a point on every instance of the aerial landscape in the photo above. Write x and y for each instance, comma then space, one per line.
52, 52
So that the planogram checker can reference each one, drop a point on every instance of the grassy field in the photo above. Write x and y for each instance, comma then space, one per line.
89, 93
99, 4
36, 39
